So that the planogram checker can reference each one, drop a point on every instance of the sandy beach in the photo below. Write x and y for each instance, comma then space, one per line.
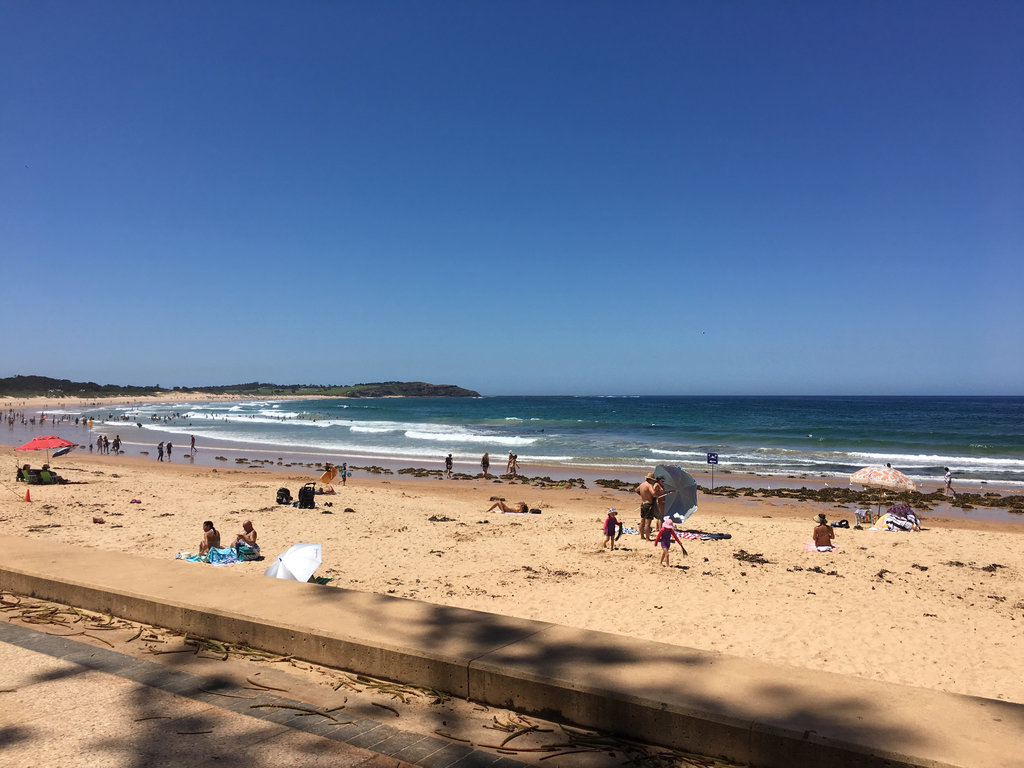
943, 608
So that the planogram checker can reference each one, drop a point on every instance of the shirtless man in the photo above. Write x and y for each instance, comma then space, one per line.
248, 535
648, 505
211, 538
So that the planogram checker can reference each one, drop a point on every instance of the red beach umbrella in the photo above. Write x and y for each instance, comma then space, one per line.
46, 443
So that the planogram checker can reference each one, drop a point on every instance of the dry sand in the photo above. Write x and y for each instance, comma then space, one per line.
943, 608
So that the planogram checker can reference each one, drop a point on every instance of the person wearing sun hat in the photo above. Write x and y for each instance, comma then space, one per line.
648, 505
611, 524
664, 537
823, 534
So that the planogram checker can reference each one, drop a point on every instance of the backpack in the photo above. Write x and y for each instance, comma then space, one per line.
284, 496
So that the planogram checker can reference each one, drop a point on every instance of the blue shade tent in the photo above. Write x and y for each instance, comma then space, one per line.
680, 491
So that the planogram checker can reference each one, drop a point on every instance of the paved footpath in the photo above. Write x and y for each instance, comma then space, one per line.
65, 703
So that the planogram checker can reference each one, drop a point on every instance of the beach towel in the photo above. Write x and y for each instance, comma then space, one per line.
216, 556
809, 547
703, 535
245, 552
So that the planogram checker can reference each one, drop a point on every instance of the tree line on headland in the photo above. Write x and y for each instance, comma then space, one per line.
44, 386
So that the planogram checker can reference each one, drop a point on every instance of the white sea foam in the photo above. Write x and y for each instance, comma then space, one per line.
468, 437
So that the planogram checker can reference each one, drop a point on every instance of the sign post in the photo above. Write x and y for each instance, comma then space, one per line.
712, 460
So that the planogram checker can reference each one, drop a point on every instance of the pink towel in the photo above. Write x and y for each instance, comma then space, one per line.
809, 547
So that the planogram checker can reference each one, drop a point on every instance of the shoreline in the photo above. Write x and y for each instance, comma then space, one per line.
304, 455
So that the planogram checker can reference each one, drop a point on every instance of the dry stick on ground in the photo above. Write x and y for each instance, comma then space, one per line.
263, 686
229, 695
300, 708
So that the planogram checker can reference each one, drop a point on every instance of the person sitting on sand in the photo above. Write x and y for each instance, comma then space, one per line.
245, 543
520, 508
248, 535
823, 534
610, 524
211, 538
664, 537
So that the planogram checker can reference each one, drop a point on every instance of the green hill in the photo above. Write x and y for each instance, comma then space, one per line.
43, 386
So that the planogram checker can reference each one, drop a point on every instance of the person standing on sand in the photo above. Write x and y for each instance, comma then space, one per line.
192, 448
648, 505
160, 452
949, 483
664, 537
168, 450
344, 473
611, 523
448, 467
823, 534
485, 462
659, 494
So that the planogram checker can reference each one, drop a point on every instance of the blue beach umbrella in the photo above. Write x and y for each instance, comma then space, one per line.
680, 491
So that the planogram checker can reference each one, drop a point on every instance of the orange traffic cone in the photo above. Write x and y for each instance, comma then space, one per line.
27, 497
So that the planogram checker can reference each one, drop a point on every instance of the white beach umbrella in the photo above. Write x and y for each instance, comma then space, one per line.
297, 564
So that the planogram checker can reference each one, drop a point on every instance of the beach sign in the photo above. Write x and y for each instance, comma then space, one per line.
712, 460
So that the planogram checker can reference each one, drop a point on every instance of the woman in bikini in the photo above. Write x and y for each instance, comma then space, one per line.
520, 508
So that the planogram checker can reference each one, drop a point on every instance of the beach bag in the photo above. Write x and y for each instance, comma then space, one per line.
284, 496
306, 496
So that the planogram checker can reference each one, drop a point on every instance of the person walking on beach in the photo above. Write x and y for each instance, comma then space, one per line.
611, 524
648, 505
116, 445
949, 483
192, 447
344, 473
664, 538
448, 467
508, 464
823, 534
160, 455
485, 462
168, 447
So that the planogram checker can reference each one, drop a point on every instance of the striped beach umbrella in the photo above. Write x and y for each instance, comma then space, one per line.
883, 477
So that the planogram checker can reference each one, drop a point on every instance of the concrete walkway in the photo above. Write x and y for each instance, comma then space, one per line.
68, 703
739, 709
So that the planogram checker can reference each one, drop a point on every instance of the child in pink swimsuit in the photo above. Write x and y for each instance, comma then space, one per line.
664, 536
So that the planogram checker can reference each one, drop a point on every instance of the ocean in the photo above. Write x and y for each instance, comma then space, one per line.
980, 438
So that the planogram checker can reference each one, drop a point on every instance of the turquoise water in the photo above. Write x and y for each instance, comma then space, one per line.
979, 438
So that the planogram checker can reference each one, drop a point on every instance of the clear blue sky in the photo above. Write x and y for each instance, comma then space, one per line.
517, 197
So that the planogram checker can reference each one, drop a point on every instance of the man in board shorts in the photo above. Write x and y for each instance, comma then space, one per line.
648, 505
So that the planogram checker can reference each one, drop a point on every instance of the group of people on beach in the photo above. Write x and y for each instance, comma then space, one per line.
511, 466
652, 504
244, 545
